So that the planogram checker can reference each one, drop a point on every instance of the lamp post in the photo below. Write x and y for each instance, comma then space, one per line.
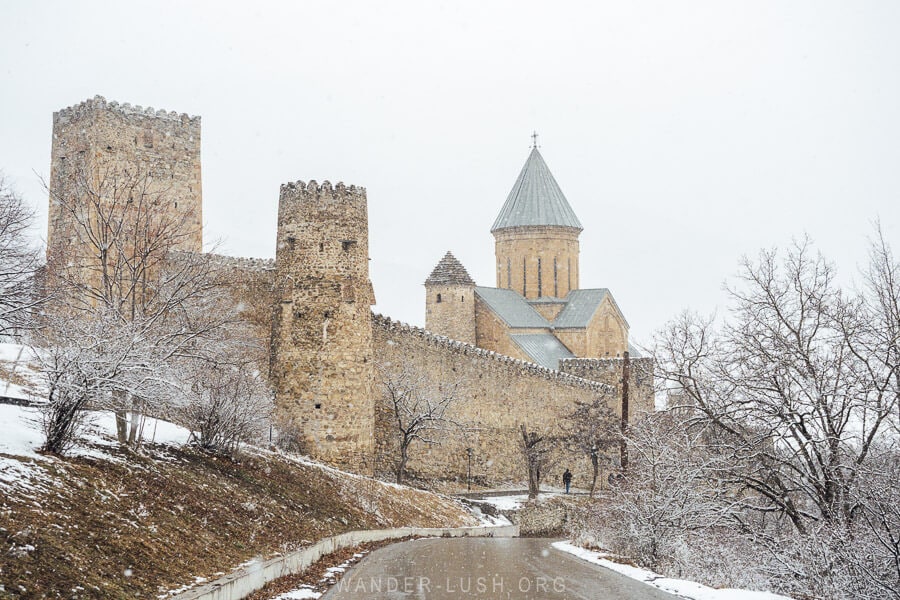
469, 470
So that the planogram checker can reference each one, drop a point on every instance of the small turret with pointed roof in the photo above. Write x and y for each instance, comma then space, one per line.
449, 271
536, 235
450, 301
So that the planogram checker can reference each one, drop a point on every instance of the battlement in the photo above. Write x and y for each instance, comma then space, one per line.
99, 103
324, 191
242, 263
614, 362
610, 370
464, 348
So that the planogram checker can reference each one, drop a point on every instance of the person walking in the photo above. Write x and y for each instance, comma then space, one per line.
567, 479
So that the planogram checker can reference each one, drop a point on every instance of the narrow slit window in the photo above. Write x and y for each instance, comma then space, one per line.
555, 279
524, 277
540, 280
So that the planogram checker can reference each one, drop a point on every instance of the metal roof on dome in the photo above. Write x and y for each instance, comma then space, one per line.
543, 348
536, 199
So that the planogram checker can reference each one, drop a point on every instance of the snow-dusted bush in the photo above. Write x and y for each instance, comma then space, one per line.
225, 404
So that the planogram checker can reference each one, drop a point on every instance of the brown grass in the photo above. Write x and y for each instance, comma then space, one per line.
147, 523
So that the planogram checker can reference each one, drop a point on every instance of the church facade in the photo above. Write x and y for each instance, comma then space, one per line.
537, 312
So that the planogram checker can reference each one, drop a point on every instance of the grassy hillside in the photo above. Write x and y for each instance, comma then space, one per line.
105, 524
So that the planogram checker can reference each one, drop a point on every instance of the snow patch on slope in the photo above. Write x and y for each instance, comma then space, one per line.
680, 587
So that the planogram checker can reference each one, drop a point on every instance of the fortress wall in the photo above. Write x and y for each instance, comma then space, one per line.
609, 371
498, 393
251, 284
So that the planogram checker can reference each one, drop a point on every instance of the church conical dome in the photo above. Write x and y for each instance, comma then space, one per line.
536, 200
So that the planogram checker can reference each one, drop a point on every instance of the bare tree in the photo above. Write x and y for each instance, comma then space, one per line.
669, 496
592, 429
114, 260
797, 396
798, 386
19, 263
420, 408
537, 451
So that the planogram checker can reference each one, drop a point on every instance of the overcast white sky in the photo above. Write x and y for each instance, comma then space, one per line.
684, 134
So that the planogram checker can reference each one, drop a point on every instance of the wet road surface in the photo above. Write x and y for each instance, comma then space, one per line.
495, 568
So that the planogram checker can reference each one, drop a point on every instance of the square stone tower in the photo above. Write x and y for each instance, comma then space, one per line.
105, 152
322, 358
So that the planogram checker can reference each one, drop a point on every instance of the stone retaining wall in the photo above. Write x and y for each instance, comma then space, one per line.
249, 579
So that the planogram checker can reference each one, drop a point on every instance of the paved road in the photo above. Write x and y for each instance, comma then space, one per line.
495, 568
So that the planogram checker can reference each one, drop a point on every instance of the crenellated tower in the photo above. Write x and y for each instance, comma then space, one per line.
115, 152
450, 301
321, 362
536, 235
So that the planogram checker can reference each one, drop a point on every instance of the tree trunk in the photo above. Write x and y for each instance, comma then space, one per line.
122, 426
623, 442
133, 436
119, 407
401, 466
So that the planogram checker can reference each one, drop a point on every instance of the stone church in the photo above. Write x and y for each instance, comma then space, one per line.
537, 312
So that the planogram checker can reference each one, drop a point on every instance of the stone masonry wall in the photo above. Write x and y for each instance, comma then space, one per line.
493, 334
641, 396
452, 316
251, 284
497, 394
321, 362
98, 142
526, 256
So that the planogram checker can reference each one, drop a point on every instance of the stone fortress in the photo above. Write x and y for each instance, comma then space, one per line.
525, 352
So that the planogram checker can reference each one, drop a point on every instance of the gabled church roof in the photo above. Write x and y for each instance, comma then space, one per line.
536, 199
512, 308
581, 305
544, 348
449, 271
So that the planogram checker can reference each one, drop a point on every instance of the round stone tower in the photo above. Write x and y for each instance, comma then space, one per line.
536, 235
321, 355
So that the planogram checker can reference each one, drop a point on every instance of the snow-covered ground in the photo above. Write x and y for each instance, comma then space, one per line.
21, 436
20, 427
516, 501
17, 362
21, 431
679, 587
506, 502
